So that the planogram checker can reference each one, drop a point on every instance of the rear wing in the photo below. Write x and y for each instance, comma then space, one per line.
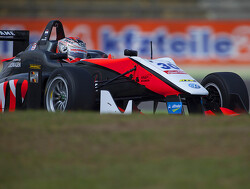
20, 39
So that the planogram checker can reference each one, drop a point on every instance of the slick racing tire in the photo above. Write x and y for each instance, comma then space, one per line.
69, 89
221, 87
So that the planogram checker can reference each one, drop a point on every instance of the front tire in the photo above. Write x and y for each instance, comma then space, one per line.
222, 88
69, 89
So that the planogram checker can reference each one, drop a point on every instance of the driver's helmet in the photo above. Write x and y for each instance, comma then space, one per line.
73, 46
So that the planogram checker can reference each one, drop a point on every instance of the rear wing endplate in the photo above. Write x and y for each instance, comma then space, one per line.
20, 39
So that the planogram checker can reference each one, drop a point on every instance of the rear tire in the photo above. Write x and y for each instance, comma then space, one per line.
69, 89
221, 86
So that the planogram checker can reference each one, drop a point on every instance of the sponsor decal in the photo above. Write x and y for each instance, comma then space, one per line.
175, 72
16, 59
174, 107
35, 66
14, 65
145, 78
96, 77
33, 77
7, 33
196, 42
189, 43
33, 47
46, 32
187, 80
194, 86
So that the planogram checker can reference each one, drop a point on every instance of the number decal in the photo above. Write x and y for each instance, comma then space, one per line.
163, 66
174, 66
168, 66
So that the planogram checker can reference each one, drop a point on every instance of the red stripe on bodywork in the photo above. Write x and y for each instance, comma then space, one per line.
8, 59
12, 105
24, 89
140, 75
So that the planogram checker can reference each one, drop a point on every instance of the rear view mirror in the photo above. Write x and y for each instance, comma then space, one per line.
128, 52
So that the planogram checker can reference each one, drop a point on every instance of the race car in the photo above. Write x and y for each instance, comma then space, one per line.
38, 77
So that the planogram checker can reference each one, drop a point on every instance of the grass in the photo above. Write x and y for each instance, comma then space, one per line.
87, 150
199, 72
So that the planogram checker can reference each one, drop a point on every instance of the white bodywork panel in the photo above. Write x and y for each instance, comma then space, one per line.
108, 105
167, 68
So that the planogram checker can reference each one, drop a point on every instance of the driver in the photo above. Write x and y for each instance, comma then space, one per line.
74, 47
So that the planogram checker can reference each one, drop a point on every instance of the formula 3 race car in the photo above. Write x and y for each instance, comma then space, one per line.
37, 77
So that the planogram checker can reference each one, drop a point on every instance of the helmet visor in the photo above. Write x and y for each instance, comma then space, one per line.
77, 53
74, 55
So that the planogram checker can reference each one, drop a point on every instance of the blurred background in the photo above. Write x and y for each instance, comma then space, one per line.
158, 9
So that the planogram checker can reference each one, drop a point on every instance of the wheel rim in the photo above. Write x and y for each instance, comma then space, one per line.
214, 99
57, 95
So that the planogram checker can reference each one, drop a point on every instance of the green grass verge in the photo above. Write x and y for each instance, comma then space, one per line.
199, 72
86, 150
